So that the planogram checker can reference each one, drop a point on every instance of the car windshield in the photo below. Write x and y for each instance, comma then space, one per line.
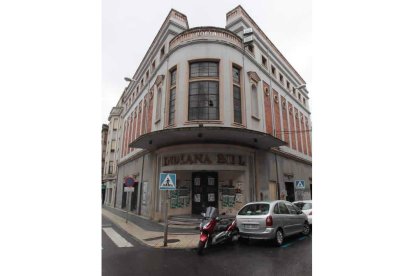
303, 205
254, 209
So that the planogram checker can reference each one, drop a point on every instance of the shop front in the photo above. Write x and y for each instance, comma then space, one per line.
208, 175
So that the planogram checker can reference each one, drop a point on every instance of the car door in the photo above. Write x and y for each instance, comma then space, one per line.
286, 218
295, 218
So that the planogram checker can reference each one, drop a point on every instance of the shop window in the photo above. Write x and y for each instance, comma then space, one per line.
236, 96
204, 95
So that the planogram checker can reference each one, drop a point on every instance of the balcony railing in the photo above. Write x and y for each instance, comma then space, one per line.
206, 33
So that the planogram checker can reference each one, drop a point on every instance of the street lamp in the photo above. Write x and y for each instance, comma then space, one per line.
129, 79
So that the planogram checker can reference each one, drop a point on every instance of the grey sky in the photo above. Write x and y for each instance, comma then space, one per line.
129, 27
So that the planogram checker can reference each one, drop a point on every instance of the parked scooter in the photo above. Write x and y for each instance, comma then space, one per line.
211, 233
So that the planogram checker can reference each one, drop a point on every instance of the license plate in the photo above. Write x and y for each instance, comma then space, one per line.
251, 226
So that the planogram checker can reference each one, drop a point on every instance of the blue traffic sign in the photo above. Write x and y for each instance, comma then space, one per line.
167, 181
300, 184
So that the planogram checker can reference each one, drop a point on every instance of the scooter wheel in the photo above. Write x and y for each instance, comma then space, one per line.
200, 247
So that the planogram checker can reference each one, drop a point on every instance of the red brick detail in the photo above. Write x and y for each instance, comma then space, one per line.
150, 107
268, 108
130, 131
303, 133
139, 119
292, 126
133, 128
285, 122
144, 116
124, 139
298, 133
308, 136
276, 105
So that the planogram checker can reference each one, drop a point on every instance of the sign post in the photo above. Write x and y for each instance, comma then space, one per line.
167, 182
129, 188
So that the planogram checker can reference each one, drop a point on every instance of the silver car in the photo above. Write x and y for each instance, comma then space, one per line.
271, 220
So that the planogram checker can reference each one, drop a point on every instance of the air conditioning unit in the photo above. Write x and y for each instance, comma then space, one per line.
248, 39
247, 32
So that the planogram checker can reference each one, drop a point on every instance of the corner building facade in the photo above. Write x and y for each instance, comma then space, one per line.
227, 117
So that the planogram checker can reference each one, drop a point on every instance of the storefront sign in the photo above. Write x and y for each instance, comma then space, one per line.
204, 159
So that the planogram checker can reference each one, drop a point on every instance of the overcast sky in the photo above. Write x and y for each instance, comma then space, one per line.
129, 27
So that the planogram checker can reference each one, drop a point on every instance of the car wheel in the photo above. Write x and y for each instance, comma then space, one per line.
306, 229
279, 237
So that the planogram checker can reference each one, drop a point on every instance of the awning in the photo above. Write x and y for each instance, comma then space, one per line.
206, 135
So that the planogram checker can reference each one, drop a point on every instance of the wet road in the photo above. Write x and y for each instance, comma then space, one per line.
255, 258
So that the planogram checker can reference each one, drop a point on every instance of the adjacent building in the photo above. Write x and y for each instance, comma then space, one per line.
221, 108
104, 138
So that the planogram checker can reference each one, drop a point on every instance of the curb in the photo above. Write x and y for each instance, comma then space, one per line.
185, 241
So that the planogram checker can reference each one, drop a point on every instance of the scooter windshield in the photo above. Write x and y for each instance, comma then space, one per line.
211, 212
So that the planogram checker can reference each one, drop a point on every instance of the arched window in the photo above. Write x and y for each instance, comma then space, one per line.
255, 101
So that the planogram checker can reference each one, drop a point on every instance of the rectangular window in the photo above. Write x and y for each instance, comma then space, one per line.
203, 99
171, 104
153, 66
264, 61
204, 69
281, 78
162, 52
288, 85
110, 168
147, 75
273, 70
250, 47
115, 127
204, 95
236, 96
113, 145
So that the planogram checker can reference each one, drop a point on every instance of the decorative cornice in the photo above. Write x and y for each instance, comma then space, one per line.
253, 76
159, 79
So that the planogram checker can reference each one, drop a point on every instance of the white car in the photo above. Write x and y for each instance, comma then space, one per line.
306, 207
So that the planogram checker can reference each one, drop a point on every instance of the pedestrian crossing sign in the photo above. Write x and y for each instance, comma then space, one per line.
167, 181
300, 184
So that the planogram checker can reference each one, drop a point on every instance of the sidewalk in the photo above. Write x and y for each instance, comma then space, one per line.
152, 233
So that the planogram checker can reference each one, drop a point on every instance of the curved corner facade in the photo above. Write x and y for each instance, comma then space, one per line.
228, 115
